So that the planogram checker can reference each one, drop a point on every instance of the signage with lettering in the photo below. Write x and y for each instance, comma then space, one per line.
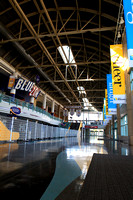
27, 86
92, 127
128, 13
112, 108
15, 111
35, 92
24, 85
118, 76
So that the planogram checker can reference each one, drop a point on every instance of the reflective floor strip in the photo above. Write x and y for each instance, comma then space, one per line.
66, 171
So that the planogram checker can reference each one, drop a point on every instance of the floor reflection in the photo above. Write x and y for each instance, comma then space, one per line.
25, 166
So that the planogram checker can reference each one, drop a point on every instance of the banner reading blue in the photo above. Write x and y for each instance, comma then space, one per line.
128, 14
112, 108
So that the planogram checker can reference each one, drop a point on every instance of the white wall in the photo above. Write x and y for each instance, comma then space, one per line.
86, 115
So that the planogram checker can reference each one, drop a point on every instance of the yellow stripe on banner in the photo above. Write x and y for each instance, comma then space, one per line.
117, 66
106, 98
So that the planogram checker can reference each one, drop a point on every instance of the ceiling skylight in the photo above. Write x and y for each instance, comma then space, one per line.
81, 90
69, 58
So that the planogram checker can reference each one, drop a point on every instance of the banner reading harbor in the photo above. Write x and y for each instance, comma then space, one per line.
118, 76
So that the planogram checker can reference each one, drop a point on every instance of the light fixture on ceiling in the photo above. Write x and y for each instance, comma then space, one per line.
119, 35
121, 20
81, 90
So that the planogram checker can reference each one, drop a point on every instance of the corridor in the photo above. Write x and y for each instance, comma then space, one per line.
51, 169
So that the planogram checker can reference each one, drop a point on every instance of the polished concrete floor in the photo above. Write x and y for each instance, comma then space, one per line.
51, 169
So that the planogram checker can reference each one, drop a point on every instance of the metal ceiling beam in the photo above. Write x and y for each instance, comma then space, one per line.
79, 80
58, 39
64, 64
63, 27
87, 90
84, 97
22, 15
91, 103
61, 33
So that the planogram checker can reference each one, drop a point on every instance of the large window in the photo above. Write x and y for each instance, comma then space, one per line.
115, 130
124, 126
131, 80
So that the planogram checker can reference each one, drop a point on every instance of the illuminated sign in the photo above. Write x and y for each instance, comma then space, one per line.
118, 76
128, 13
112, 108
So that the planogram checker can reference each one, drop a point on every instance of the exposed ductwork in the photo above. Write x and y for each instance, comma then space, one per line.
22, 51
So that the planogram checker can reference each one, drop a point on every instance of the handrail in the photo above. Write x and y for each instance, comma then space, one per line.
18, 102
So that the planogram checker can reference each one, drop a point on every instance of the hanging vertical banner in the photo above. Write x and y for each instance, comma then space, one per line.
104, 113
11, 82
118, 76
78, 113
128, 14
112, 108
71, 111
65, 113
106, 99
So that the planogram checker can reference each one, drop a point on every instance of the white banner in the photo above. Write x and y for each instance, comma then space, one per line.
78, 113
72, 111
65, 113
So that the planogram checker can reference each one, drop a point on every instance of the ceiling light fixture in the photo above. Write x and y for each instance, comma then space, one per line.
119, 35
121, 20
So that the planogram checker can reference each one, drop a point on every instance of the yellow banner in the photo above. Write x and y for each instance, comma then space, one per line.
103, 112
106, 98
11, 82
117, 65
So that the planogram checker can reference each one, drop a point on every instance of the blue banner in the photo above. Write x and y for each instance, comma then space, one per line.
128, 14
104, 109
112, 108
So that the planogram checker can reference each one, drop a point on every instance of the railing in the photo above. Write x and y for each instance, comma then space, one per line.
12, 129
17, 102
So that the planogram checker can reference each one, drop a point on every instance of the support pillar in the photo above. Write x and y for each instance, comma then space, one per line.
44, 101
109, 128
118, 122
52, 108
113, 126
46, 108
59, 111
13, 92
32, 101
